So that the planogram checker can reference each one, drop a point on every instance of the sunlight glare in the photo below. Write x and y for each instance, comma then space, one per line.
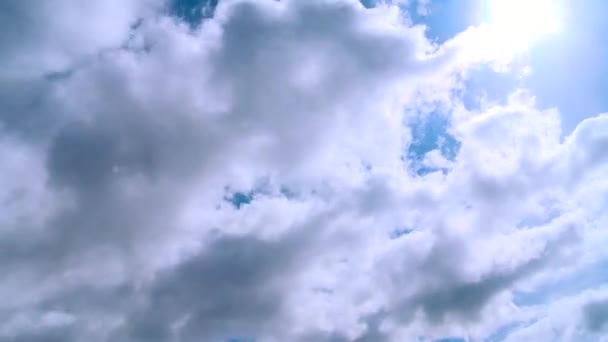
519, 23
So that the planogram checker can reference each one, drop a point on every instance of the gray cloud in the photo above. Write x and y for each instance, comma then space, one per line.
120, 141
596, 315
234, 288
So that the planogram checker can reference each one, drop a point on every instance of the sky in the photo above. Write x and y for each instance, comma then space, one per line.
319, 170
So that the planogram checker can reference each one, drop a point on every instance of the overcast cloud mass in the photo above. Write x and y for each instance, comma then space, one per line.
285, 171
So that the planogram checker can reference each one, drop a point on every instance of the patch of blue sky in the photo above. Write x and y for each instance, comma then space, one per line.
240, 199
193, 11
451, 339
446, 18
429, 133
369, 3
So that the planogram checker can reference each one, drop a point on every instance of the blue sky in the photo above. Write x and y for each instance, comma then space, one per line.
319, 170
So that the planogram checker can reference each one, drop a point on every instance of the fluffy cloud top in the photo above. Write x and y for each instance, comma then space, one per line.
257, 177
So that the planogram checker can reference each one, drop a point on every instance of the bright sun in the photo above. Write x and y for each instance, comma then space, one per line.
521, 22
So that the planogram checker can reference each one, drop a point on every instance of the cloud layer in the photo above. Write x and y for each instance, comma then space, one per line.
257, 177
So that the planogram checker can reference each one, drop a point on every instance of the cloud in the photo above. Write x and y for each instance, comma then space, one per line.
244, 177
575, 317
60, 33
596, 315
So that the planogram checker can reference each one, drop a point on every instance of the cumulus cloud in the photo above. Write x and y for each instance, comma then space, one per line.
249, 178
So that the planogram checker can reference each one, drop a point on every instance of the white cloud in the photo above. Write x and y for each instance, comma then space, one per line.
116, 173
54, 35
